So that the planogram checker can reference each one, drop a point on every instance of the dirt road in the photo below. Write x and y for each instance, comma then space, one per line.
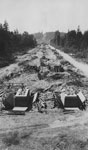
80, 65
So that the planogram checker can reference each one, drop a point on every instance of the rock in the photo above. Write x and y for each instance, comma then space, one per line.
58, 68
55, 67
43, 73
30, 68
8, 100
60, 75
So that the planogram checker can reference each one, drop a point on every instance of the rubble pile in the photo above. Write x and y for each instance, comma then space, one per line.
45, 71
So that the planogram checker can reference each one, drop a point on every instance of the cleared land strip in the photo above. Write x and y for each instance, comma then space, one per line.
80, 65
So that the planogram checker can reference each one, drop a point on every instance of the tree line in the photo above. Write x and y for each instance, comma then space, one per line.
13, 41
72, 41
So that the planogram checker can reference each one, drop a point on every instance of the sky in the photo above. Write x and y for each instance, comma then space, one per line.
44, 15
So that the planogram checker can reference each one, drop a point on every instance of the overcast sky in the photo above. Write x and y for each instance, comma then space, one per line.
44, 15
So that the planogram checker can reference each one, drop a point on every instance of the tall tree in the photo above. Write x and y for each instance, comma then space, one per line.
78, 38
5, 26
57, 37
84, 44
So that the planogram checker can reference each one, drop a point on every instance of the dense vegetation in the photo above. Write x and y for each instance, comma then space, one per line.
13, 41
73, 42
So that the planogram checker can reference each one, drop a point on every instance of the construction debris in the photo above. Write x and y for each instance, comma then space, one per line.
43, 69
22, 98
73, 101
42, 106
19, 102
19, 110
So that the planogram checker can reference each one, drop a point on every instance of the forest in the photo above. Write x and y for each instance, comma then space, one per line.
73, 41
13, 41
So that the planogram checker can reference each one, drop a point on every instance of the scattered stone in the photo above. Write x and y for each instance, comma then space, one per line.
31, 69
58, 68
60, 75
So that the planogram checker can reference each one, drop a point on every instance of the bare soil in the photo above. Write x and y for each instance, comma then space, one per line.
44, 69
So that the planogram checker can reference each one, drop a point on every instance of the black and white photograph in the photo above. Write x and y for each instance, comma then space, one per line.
43, 75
